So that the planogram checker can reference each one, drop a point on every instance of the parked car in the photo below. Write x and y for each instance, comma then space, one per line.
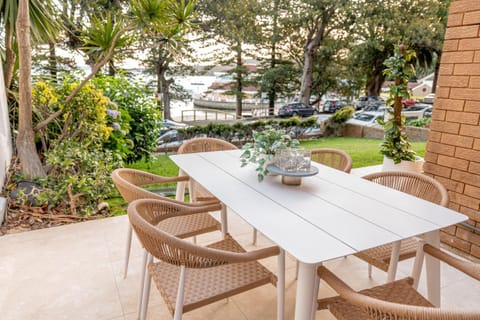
365, 101
368, 119
415, 112
406, 103
333, 105
166, 125
295, 109
428, 112
169, 140
429, 98
377, 108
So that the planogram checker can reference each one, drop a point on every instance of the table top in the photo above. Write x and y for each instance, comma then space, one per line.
330, 215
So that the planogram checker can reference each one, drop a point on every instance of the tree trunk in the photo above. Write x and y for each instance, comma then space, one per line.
397, 105
374, 84
307, 76
9, 56
314, 40
239, 82
435, 75
27, 153
272, 94
52, 60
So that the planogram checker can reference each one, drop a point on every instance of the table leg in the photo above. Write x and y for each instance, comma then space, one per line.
305, 291
433, 269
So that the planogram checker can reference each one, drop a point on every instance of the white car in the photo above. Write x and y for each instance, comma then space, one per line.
415, 112
366, 118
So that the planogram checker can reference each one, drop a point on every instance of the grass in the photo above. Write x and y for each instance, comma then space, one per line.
364, 152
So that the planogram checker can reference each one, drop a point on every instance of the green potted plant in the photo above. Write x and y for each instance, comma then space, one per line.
395, 146
262, 149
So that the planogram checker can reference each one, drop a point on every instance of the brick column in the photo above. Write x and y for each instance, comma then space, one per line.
453, 148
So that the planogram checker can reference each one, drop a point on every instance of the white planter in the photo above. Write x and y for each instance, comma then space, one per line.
415, 166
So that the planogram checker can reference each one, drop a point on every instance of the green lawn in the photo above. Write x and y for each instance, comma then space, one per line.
364, 152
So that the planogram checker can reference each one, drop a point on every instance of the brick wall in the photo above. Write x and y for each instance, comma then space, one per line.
453, 148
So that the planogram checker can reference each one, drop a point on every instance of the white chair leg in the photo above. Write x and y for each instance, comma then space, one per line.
296, 271
127, 250
180, 295
224, 220
418, 264
281, 285
142, 283
254, 240
392, 267
369, 270
146, 291
180, 192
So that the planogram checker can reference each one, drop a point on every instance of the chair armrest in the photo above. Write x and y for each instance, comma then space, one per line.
467, 267
155, 179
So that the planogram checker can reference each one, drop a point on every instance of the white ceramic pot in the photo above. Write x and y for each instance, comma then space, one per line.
415, 166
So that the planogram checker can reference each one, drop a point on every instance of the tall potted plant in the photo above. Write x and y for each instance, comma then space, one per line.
397, 151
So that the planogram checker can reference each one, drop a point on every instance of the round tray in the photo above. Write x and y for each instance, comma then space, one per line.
292, 177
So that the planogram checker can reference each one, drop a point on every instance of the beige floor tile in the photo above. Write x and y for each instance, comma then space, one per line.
76, 272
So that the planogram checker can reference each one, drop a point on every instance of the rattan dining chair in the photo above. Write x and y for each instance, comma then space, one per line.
129, 183
415, 184
190, 276
334, 158
398, 299
200, 145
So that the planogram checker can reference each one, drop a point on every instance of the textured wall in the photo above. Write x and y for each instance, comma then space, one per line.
453, 149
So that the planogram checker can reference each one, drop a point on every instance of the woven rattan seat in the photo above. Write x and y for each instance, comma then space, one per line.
187, 275
394, 300
415, 184
333, 158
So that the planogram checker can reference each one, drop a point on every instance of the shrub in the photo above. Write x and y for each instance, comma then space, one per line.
337, 121
79, 178
136, 106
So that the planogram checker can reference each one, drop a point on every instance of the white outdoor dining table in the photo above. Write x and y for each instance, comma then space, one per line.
330, 215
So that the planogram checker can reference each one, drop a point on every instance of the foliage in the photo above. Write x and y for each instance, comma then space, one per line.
422, 123
79, 178
84, 120
381, 25
240, 131
395, 144
136, 117
263, 147
337, 121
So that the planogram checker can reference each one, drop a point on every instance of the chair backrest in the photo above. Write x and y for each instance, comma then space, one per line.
145, 216
129, 181
416, 184
334, 158
205, 145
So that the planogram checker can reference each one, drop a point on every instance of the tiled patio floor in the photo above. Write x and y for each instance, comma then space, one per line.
75, 272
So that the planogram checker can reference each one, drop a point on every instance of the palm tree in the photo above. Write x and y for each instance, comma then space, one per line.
43, 27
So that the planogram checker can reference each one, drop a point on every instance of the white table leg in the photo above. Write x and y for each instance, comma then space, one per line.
180, 192
433, 269
305, 291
